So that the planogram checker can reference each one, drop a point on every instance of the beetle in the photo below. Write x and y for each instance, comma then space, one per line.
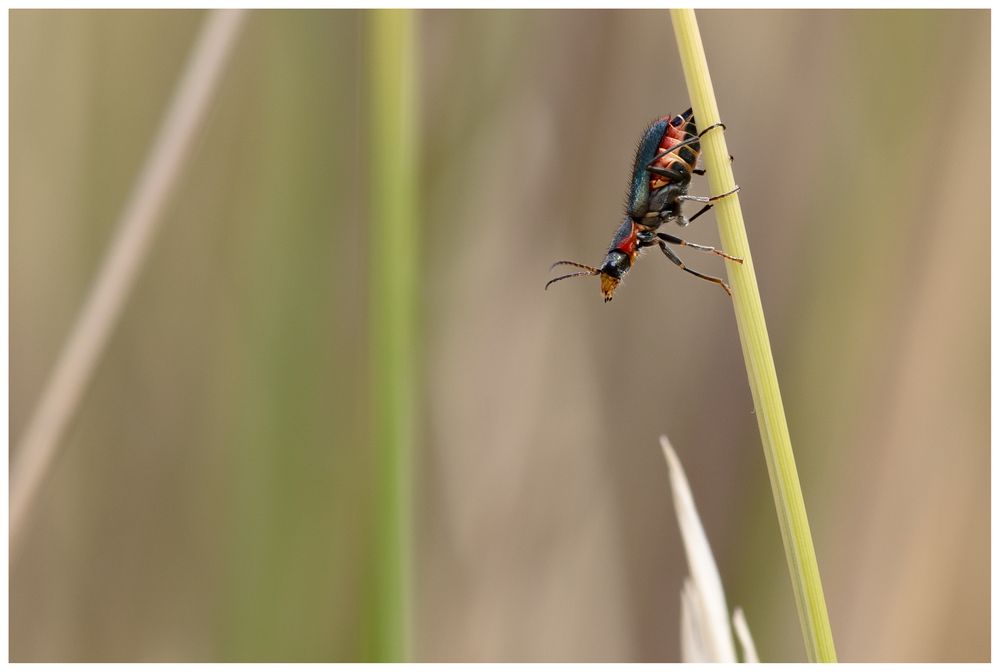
665, 160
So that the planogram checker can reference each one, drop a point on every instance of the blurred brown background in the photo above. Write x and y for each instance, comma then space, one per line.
211, 500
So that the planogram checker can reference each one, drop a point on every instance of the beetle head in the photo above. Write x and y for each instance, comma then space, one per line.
615, 266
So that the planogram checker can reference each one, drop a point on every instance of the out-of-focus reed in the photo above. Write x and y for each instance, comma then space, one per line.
393, 250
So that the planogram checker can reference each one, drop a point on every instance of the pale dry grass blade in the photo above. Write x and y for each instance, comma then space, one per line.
132, 240
703, 600
743, 635
693, 648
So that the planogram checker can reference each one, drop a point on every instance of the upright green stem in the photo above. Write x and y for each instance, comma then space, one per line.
757, 352
393, 249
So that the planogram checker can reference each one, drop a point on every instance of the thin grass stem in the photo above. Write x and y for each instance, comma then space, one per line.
393, 263
756, 346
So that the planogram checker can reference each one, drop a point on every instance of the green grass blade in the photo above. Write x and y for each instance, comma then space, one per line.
393, 249
757, 352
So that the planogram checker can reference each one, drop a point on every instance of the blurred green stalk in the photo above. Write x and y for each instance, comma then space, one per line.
393, 250
757, 352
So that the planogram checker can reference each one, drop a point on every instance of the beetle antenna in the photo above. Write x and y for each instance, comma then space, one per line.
593, 271
571, 275
587, 270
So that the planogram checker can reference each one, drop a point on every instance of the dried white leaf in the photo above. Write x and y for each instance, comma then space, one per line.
692, 645
743, 635
705, 632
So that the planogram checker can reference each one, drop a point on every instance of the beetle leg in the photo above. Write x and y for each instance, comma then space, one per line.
670, 173
709, 128
684, 221
701, 171
708, 199
674, 240
689, 141
674, 258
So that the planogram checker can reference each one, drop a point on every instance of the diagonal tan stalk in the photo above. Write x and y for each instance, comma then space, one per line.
122, 264
757, 352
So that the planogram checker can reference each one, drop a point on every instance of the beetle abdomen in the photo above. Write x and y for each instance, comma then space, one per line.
662, 135
681, 128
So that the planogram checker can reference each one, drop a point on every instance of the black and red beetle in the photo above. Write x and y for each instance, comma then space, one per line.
664, 162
